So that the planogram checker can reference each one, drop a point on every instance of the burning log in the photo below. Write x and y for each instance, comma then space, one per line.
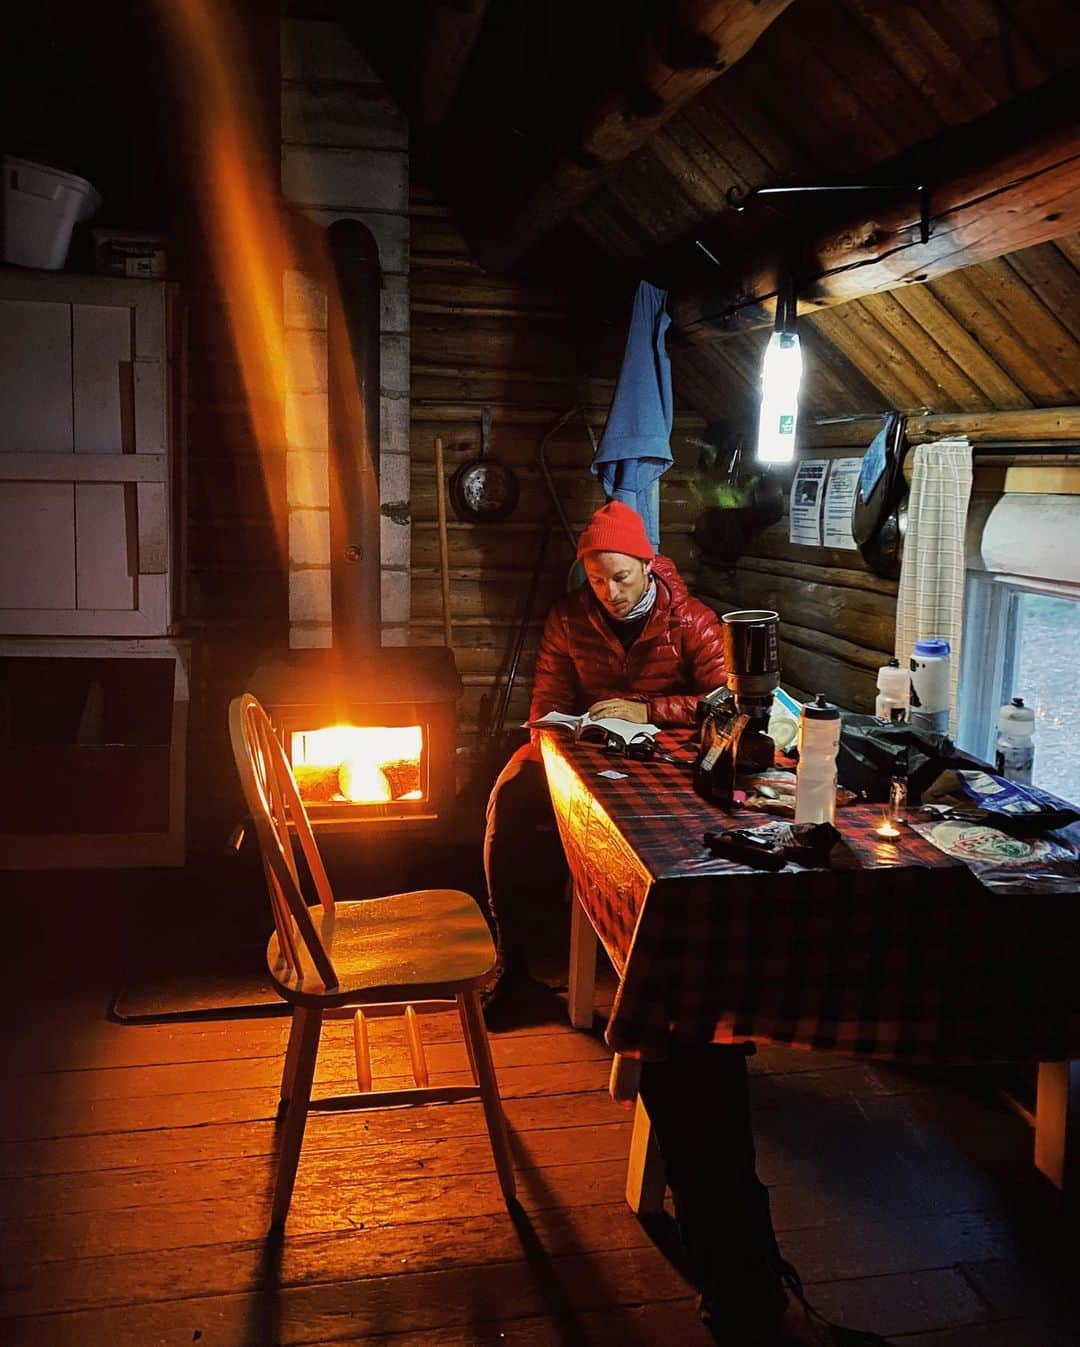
317, 784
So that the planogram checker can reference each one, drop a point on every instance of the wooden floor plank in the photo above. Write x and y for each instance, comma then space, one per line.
202, 1141
68, 1114
910, 1302
357, 1161
335, 1063
137, 1162
377, 1251
327, 1312
645, 1325
1005, 1333
327, 1206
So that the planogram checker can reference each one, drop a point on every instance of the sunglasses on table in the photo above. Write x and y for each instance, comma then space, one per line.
639, 747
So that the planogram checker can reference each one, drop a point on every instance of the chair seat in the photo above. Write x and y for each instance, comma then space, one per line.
428, 944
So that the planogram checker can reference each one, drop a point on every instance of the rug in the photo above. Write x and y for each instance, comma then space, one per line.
192, 985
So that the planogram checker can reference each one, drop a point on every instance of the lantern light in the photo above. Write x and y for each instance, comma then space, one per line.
781, 374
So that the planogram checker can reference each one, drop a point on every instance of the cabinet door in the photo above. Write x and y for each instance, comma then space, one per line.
84, 468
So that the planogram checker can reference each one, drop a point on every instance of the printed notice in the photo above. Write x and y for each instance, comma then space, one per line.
807, 498
839, 498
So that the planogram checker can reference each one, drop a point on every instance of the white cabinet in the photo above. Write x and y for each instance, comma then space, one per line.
85, 464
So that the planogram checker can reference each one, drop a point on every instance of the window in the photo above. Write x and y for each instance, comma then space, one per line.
1022, 639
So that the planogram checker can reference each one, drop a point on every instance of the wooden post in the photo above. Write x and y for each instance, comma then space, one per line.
646, 1173
581, 983
444, 557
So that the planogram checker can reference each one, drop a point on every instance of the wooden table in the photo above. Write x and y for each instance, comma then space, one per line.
895, 952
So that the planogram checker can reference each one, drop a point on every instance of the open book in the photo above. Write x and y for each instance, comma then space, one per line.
577, 725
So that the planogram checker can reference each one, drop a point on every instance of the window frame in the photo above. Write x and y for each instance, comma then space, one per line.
993, 629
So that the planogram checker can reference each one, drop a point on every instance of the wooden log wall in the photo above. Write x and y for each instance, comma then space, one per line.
529, 355
837, 618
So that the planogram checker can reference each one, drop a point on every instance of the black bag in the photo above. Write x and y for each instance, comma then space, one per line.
872, 751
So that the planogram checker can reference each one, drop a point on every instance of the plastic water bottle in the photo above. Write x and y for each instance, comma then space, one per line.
894, 689
1015, 756
930, 661
815, 783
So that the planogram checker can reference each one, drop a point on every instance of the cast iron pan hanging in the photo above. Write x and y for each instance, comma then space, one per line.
879, 521
483, 489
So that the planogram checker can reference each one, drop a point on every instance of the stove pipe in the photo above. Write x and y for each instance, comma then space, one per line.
353, 397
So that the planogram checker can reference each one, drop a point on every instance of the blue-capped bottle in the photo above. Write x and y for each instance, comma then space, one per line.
931, 684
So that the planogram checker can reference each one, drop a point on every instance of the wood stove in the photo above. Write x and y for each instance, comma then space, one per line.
371, 741
370, 730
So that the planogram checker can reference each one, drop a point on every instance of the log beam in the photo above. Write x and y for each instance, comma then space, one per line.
679, 57
1032, 425
449, 32
1007, 181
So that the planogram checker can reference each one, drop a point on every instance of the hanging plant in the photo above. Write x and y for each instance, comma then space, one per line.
733, 505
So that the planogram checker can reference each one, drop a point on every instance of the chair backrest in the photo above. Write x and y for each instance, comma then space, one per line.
273, 800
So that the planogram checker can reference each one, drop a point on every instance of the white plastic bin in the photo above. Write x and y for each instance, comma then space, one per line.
41, 207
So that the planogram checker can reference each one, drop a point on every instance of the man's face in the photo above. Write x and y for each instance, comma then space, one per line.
618, 581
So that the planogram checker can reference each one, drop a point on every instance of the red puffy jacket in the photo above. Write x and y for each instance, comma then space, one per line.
677, 655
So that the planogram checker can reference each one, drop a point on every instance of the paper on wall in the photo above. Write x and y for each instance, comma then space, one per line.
839, 499
805, 504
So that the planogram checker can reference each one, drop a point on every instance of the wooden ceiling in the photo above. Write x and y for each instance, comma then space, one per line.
833, 88
818, 91
1003, 335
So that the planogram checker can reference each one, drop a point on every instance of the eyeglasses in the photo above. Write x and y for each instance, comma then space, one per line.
639, 748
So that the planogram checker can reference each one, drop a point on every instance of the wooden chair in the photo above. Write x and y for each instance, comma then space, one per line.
428, 950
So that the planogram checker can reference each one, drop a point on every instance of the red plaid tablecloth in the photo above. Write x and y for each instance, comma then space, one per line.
896, 951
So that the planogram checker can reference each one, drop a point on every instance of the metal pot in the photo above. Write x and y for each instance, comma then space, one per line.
483, 490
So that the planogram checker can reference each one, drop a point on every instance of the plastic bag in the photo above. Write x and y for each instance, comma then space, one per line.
1002, 863
873, 751
1020, 811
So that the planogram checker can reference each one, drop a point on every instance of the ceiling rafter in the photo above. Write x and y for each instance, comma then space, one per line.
679, 56
1007, 181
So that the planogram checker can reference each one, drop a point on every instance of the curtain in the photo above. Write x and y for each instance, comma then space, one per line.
931, 597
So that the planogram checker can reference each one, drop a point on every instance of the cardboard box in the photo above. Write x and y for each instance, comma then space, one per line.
133, 254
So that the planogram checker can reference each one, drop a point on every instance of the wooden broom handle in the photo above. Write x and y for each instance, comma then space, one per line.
444, 558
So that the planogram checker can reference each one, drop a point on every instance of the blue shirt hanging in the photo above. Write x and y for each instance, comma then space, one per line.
635, 449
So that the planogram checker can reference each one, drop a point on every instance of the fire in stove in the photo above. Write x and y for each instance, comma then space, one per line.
358, 764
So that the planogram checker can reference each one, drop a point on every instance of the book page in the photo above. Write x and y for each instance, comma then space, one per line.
554, 720
625, 729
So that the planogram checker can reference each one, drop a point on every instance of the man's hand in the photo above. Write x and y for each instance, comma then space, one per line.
620, 709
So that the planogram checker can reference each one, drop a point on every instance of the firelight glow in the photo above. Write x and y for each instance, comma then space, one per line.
248, 236
360, 752
781, 374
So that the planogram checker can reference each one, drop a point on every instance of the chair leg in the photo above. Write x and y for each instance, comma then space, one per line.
468, 1039
480, 1052
292, 1052
307, 1026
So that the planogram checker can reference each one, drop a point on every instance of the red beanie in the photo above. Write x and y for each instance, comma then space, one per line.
616, 527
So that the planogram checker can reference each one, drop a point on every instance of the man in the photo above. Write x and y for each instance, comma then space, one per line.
632, 643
